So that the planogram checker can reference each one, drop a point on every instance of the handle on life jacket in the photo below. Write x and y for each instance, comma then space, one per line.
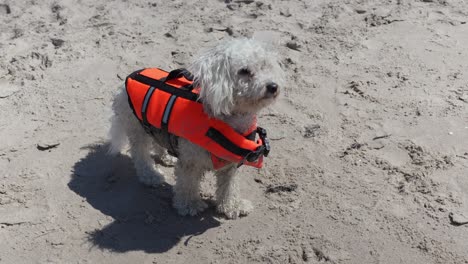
181, 72
177, 73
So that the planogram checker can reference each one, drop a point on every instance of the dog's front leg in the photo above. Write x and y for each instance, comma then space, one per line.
187, 199
228, 199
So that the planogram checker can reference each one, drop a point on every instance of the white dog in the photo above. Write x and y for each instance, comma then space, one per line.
236, 79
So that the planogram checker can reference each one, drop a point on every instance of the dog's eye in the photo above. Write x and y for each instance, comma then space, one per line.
245, 72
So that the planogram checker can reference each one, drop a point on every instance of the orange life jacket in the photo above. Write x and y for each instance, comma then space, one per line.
167, 101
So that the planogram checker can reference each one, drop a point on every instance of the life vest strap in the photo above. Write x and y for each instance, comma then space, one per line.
251, 135
219, 138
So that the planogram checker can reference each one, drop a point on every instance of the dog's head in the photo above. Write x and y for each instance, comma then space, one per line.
238, 76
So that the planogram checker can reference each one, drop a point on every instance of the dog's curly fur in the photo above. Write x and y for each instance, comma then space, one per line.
233, 78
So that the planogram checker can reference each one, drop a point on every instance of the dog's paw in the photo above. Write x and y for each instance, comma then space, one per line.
150, 176
236, 209
192, 208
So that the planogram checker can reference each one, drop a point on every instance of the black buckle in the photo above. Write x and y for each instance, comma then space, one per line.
264, 149
262, 133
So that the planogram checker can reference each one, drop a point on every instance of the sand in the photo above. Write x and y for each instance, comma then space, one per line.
369, 161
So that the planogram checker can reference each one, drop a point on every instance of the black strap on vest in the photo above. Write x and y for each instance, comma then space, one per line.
219, 138
248, 155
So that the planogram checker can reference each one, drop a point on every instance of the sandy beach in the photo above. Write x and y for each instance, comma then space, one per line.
369, 160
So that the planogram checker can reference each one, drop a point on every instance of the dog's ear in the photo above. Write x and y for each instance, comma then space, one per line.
212, 73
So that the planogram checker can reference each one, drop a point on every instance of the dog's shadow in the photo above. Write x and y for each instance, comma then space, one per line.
142, 217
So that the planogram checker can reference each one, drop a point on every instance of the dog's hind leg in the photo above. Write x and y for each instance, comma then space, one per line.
187, 199
140, 149
228, 201
162, 157
126, 126
117, 137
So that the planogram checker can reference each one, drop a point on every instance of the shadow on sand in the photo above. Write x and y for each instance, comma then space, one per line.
143, 217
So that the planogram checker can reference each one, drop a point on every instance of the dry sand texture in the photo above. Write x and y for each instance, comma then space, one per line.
370, 152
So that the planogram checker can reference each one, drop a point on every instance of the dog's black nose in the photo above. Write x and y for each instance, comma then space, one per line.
272, 87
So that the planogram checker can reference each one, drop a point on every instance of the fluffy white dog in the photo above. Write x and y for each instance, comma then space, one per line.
237, 79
